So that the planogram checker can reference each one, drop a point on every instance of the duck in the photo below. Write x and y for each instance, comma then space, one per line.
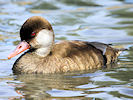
44, 55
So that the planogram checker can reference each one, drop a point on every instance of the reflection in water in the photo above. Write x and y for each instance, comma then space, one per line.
66, 85
37, 86
108, 21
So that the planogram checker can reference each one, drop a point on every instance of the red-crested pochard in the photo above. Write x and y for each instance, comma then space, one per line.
46, 56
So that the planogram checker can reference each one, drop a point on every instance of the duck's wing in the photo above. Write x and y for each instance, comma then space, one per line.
111, 54
101, 46
78, 55
67, 48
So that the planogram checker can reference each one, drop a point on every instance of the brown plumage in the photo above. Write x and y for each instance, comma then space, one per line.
45, 56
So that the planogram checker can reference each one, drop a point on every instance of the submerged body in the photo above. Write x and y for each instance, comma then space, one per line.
45, 56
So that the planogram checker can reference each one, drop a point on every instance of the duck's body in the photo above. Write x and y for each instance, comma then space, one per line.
45, 56
66, 56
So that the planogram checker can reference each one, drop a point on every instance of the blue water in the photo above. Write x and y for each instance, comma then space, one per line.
108, 21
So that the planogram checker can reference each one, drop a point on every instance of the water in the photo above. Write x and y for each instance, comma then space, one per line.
108, 21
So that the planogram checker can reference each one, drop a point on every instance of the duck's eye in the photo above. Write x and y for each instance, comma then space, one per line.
33, 34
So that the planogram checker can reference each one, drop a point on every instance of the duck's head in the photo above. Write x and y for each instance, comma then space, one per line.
35, 33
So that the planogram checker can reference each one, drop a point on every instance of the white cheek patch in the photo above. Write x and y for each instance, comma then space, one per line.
45, 38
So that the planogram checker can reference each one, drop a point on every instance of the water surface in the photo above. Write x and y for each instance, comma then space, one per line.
108, 21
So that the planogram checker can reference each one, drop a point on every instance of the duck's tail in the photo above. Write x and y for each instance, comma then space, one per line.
119, 51
112, 54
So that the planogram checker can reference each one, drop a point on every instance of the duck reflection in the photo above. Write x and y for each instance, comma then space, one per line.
36, 85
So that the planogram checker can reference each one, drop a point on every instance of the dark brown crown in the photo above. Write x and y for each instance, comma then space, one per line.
33, 25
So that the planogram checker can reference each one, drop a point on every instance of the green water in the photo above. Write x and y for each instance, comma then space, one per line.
108, 21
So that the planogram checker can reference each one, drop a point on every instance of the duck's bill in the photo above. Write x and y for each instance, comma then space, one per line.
20, 48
